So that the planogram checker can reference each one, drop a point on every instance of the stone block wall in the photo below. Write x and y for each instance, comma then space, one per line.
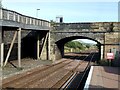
112, 44
109, 40
7, 39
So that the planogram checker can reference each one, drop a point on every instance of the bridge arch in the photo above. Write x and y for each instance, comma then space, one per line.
67, 39
60, 44
97, 37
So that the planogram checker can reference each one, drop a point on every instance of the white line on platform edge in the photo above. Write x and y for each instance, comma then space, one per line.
88, 79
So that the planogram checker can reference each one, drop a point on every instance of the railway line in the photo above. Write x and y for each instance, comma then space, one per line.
77, 81
58, 75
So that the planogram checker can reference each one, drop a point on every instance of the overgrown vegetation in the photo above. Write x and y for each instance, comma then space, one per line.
76, 46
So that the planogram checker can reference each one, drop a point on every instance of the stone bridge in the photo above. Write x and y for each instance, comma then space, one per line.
106, 34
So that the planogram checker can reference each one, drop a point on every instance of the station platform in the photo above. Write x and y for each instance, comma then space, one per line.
103, 78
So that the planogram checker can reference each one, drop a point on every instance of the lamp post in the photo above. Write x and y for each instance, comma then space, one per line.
37, 13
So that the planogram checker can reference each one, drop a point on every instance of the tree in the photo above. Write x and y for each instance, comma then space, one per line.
88, 45
75, 45
70, 44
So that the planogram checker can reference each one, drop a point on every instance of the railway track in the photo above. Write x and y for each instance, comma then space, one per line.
52, 76
77, 81
22, 78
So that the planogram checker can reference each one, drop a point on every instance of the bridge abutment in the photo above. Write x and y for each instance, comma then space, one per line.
112, 45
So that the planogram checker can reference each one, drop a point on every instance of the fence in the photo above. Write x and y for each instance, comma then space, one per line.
14, 16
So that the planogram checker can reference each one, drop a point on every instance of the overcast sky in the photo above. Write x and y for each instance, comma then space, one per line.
71, 10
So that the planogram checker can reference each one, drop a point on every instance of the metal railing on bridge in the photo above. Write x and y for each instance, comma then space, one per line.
17, 17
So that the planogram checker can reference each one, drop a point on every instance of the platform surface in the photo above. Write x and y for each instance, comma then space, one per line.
103, 77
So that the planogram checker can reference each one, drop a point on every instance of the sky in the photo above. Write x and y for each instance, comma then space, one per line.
71, 10
86, 41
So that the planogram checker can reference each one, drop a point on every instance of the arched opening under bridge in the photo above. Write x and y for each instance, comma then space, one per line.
62, 51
